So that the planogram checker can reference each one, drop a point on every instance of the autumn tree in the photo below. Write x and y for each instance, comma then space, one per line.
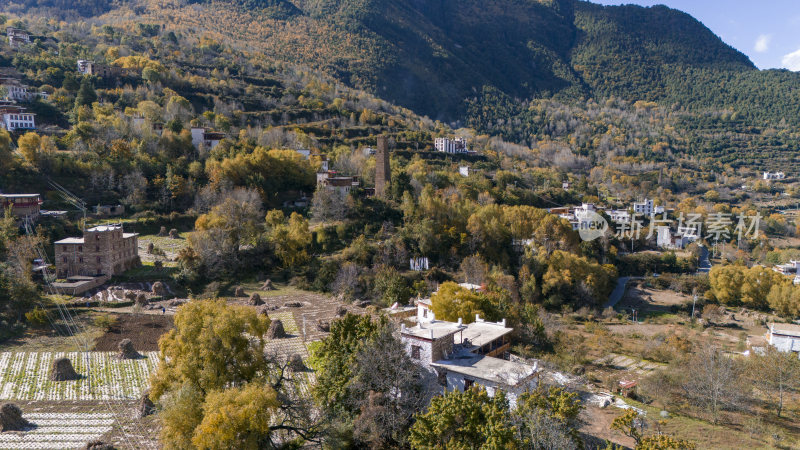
784, 299
469, 419
548, 419
218, 386
290, 238
452, 302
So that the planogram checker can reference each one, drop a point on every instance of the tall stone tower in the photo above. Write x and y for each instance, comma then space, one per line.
383, 173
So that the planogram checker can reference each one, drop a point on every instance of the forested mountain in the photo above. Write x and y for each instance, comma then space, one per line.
435, 56
431, 56
494, 65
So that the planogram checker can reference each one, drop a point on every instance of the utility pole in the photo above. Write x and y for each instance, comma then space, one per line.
694, 302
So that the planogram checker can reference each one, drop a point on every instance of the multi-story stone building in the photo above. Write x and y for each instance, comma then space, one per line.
103, 250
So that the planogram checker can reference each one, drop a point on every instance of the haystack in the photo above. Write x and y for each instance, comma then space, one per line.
173, 233
11, 418
141, 299
323, 325
292, 305
341, 311
255, 300
126, 350
163, 231
150, 248
239, 292
99, 445
146, 406
276, 330
267, 286
296, 363
62, 370
159, 289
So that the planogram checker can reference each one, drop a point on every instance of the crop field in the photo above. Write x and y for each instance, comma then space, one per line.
26, 376
58, 431
290, 345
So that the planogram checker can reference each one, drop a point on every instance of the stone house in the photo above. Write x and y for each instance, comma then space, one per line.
462, 355
103, 250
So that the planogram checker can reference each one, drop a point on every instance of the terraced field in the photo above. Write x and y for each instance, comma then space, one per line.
26, 376
58, 431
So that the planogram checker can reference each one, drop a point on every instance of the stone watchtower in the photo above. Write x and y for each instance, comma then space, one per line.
383, 173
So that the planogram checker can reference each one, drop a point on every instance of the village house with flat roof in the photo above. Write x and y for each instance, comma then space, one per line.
103, 250
23, 206
462, 355
784, 337
17, 37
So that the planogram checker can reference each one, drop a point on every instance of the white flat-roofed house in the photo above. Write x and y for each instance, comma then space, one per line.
15, 91
644, 208
784, 337
769, 176
209, 139
447, 145
463, 355
340, 184
17, 118
619, 216
790, 268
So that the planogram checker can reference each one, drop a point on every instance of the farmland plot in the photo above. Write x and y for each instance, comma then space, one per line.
26, 376
58, 431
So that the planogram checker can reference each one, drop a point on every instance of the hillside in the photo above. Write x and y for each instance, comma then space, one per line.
433, 56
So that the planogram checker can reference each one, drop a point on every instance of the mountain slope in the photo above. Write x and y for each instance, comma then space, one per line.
436, 57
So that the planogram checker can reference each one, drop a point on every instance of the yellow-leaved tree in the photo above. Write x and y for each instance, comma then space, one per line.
218, 388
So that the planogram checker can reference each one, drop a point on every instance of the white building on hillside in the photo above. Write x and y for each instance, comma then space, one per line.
209, 139
17, 37
447, 145
784, 337
619, 215
773, 176
644, 208
463, 355
17, 118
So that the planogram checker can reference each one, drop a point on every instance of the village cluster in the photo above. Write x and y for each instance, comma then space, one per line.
109, 268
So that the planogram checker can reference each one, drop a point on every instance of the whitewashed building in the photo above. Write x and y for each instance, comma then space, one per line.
769, 176
463, 355
644, 208
784, 337
209, 139
619, 215
447, 145
16, 118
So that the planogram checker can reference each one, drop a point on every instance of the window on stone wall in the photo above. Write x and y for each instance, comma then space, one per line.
416, 350
468, 383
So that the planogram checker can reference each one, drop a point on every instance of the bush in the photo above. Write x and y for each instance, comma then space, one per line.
105, 321
37, 317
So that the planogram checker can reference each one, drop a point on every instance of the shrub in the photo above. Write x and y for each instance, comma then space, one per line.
37, 317
105, 321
